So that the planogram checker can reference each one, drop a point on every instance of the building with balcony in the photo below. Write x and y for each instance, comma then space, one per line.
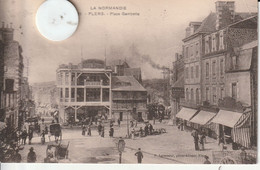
129, 98
84, 90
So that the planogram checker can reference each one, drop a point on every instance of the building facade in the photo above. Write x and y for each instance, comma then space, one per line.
219, 107
129, 98
11, 77
177, 85
84, 90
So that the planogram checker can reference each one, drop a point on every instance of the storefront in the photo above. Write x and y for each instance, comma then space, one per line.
185, 114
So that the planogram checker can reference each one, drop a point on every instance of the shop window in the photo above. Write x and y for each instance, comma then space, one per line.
234, 90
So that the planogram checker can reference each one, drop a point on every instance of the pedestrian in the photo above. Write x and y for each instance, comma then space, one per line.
133, 133
30, 136
139, 155
111, 132
179, 126
201, 141
195, 136
99, 128
89, 130
118, 122
131, 124
141, 132
83, 130
243, 155
150, 128
24, 136
221, 143
31, 157
146, 130
206, 160
17, 156
103, 131
182, 126
43, 137
49, 135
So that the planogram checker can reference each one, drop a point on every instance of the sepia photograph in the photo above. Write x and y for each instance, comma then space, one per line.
129, 81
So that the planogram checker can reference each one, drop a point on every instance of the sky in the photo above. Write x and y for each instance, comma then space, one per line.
157, 32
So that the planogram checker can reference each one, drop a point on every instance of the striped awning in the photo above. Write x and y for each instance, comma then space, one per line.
186, 113
227, 118
241, 131
203, 117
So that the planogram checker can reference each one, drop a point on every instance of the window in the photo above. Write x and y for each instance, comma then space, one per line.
214, 68
217, 42
197, 49
9, 85
206, 44
73, 78
191, 51
197, 71
187, 72
221, 67
207, 69
61, 93
213, 42
221, 40
192, 95
191, 72
187, 52
187, 94
222, 93
72, 93
66, 92
234, 90
197, 96
207, 94
210, 44
66, 78
214, 95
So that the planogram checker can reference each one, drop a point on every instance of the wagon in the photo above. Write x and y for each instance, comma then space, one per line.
56, 152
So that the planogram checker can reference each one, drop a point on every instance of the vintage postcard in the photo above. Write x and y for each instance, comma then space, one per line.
128, 81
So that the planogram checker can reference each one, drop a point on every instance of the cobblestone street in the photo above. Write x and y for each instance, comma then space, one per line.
172, 147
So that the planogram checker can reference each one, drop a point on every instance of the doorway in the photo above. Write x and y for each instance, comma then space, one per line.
121, 116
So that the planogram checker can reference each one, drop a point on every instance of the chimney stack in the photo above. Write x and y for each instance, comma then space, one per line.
225, 11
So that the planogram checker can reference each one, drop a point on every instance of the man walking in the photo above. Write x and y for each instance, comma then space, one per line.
196, 139
31, 157
139, 155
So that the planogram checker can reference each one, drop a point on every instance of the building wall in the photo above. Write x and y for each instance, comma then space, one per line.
242, 79
192, 70
214, 82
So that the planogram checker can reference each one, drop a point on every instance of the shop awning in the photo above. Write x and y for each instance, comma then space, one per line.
203, 117
227, 118
186, 113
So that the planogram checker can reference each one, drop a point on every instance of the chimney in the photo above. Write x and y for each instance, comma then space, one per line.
188, 33
225, 11
7, 33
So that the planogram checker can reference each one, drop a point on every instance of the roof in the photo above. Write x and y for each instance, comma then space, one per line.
179, 83
132, 71
227, 118
250, 45
208, 24
186, 113
203, 117
126, 83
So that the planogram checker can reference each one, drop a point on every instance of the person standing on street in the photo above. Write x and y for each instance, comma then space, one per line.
24, 136
99, 128
195, 136
103, 131
139, 155
89, 130
30, 136
201, 141
83, 130
31, 157
146, 130
243, 155
111, 132
17, 157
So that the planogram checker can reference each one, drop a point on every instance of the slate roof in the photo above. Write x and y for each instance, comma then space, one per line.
126, 83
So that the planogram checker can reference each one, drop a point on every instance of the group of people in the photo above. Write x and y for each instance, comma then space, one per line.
199, 140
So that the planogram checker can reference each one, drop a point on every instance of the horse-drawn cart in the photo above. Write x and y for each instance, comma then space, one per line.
56, 152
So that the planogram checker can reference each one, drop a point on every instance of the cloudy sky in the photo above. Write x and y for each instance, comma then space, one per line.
156, 32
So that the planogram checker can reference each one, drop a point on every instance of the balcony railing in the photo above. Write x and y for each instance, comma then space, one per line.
92, 83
